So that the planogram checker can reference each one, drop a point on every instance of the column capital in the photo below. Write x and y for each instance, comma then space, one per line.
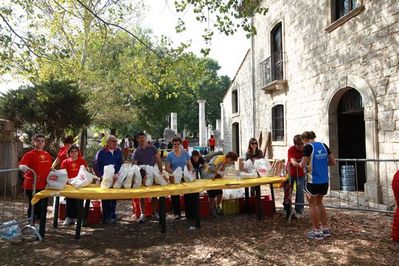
201, 101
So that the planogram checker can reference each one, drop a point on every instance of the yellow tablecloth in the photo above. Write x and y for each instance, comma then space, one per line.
95, 192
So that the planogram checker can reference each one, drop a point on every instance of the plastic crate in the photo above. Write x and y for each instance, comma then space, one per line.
230, 206
266, 205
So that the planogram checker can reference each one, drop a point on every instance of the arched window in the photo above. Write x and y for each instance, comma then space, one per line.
278, 123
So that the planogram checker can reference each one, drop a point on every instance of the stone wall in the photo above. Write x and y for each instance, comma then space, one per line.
319, 65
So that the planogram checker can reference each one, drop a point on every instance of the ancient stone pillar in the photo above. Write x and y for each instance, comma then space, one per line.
201, 124
173, 121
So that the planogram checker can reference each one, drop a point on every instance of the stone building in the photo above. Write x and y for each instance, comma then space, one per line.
329, 66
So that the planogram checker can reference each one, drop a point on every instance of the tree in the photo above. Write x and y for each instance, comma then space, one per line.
53, 107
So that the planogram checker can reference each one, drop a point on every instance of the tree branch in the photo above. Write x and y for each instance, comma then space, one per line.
23, 39
119, 27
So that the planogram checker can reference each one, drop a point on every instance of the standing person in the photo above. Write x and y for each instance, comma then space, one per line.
186, 143
177, 158
72, 165
170, 145
212, 143
110, 154
316, 158
63, 152
147, 154
156, 144
395, 224
297, 174
103, 140
125, 143
253, 153
40, 162
215, 169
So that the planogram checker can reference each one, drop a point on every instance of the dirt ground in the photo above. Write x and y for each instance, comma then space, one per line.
358, 238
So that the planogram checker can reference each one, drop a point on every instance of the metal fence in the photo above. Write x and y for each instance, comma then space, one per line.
361, 184
14, 206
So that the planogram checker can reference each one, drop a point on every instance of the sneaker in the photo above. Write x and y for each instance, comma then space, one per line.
142, 218
214, 212
67, 221
155, 216
192, 228
316, 235
326, 232
219, 210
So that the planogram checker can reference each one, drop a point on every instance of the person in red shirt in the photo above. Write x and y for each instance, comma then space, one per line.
186, 142
395, 224
212, 143
72, 166
297, 174
63, 152
40, 162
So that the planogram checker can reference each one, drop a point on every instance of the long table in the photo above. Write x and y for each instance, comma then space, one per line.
93, 191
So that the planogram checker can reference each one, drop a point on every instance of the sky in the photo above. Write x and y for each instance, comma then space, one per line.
229, 51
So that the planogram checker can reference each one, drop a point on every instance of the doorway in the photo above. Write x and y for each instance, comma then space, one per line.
351, 139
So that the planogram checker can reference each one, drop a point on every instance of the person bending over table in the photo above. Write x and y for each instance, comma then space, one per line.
177, 158
147, 154
215, 169
40, 162
72, 166
110, 154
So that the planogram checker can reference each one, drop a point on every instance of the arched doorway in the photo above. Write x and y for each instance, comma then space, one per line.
351, 137
236, 138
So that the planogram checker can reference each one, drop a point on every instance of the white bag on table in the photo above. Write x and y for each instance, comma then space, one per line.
137, 180
177, 174
121, 177
249, 166
83, 179
108, 176
150, 176
263, 167
57, 179
158, 178
127, 183
188, 176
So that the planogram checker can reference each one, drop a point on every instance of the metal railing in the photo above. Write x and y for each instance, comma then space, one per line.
361, 184
13, 209
271, 69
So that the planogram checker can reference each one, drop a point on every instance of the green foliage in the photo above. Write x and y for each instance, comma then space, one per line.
53, 107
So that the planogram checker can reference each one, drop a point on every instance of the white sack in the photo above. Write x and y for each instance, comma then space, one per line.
57, 179
177, 174
127, 183
150, 176
137, 179
158, 178
121, 177
188, 176
109, 171
263, 167
83, 179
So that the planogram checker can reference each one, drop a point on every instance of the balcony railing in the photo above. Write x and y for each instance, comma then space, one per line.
271, 69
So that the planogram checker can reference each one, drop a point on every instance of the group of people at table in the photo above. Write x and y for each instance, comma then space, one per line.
307, 165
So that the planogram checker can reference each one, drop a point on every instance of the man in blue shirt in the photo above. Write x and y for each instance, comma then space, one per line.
110, 154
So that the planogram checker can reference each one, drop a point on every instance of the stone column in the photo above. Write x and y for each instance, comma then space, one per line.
173, 122
218, 124
201, 123
210, 129
221, 121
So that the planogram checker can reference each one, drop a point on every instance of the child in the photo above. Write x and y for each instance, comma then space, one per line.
215, 170
72, 166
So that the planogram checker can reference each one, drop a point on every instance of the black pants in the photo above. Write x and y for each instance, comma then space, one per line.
191, 204
39, 207
176, 204
72, 208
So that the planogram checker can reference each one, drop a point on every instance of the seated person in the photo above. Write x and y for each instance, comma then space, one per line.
215, 169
